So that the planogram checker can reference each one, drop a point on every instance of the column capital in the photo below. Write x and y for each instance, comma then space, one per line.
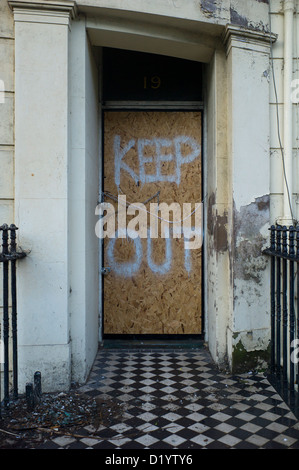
246, 38
64, 9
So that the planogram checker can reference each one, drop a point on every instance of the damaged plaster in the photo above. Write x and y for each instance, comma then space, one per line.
236, 18
245, 361
244, 14
249, 224
209, 7
250, 331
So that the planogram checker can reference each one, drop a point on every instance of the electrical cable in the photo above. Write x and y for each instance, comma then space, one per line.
277, 117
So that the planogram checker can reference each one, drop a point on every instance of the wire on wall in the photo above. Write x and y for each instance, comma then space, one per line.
277, 118
297, 71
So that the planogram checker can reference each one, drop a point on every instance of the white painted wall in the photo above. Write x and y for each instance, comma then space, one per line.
41, 195
55, 186
83, 195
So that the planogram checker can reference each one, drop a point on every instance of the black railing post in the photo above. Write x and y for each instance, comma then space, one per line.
4, 229
284, 293
272, 238
8, 259
278, 301
13, 250
29, 391
292, 306
285, 308
37, 385
297, 272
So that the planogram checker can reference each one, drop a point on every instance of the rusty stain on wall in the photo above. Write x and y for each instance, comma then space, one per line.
221, 241
211, 203
217, 226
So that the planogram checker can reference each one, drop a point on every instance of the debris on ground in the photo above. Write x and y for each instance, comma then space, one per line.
64, 413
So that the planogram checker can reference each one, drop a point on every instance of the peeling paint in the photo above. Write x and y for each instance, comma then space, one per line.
208, 7
251, 218
234, 12
238, 19
250, 351
249, 263
245, 361
266, 74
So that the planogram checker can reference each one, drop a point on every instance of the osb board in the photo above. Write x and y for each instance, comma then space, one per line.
147, 301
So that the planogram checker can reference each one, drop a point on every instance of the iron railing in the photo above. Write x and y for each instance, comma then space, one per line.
8, 258
284, 292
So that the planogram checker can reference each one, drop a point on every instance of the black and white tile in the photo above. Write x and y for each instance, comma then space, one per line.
178, 399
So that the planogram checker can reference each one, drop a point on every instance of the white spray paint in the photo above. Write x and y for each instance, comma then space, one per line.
159, 268
157, 157
129, 268
119, 154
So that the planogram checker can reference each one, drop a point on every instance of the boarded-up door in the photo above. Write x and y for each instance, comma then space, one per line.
154, 285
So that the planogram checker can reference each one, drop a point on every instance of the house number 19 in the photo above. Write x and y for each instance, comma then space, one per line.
153, 82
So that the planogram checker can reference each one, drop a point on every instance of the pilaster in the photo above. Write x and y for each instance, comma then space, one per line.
248, 77
42, 32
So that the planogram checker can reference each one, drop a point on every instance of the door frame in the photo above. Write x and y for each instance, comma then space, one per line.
152, 106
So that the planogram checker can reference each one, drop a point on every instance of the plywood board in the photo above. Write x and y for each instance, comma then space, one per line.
154, 286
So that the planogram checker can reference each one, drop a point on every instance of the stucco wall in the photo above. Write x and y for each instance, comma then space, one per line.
83, 168
6, 113
6, 122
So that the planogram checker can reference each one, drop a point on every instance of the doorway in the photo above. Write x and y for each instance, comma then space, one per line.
152, 182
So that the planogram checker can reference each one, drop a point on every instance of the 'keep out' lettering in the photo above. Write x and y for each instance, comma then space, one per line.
157, 158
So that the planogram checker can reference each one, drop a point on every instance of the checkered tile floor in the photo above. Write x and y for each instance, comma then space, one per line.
180, 400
